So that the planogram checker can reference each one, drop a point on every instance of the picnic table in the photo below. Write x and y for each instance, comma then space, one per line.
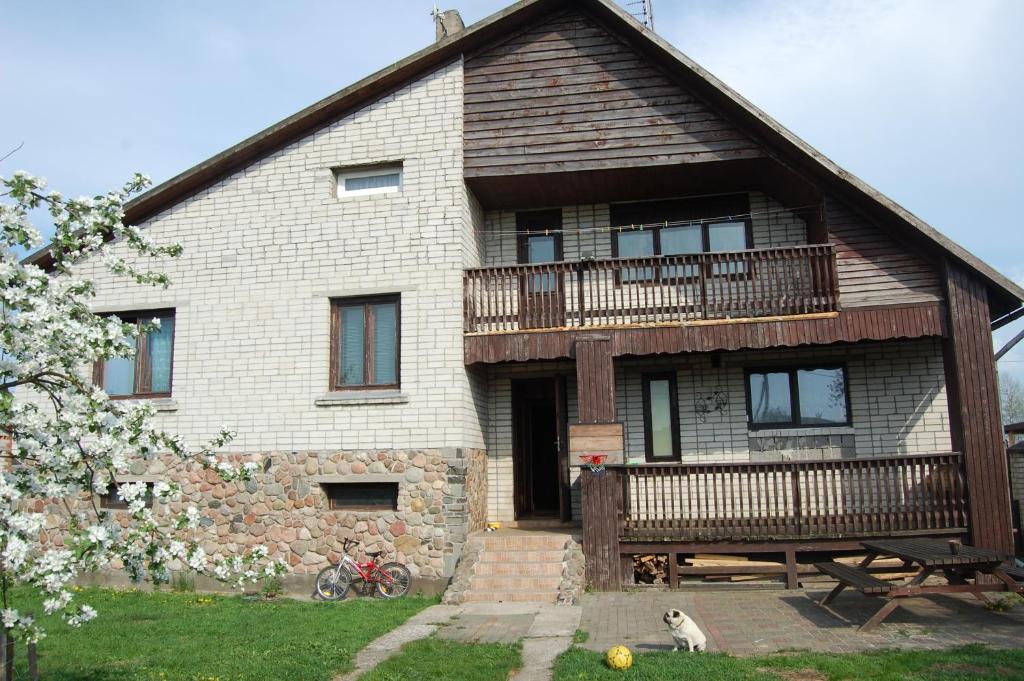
957, 563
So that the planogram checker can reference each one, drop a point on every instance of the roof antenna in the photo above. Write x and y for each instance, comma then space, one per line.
643, 11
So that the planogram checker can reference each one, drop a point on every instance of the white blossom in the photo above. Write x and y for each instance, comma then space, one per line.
70, 441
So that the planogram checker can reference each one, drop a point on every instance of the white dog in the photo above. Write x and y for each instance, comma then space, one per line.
685, 631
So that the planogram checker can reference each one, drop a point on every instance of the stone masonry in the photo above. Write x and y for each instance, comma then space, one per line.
285, 509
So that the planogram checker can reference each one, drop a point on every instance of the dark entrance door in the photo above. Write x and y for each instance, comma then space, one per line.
541, 290
540, 470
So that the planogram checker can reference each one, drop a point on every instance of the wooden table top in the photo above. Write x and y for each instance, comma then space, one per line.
935, 552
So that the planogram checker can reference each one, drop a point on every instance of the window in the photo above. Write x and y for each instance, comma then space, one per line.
362, 181
148, 373
681, 227
800, 397
362, 496
661, 417
112, 502
539, 240
365, 343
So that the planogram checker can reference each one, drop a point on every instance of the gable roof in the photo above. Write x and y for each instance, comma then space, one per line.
495, 28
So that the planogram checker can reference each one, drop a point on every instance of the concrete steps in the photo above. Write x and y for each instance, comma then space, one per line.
516, 567
530, 568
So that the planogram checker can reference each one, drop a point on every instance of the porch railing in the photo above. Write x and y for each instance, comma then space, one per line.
661, 289
908, 494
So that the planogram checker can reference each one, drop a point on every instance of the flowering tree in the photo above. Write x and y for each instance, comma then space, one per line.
69, 443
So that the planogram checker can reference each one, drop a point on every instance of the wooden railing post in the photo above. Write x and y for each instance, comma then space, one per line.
798, 507
580, 297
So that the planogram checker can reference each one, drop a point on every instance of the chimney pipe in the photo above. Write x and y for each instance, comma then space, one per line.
447, 23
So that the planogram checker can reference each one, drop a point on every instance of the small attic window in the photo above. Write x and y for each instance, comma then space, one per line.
364, 181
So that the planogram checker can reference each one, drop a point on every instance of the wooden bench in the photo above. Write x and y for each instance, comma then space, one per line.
1016, 574
855, 577
959, 564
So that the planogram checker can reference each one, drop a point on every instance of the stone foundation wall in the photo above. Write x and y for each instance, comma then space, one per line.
466, 484
286, 509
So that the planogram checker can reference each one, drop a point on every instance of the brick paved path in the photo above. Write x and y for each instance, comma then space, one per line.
758, 622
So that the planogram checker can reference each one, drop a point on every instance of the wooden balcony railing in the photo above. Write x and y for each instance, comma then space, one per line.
661, 289
897, 495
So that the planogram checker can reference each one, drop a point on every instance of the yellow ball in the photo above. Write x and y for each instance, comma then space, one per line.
619, 658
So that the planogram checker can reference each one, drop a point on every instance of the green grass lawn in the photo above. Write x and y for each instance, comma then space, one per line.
157, 636
972, 662
431, 658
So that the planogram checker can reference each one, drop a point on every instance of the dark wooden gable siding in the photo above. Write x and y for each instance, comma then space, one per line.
873, 267
566, 94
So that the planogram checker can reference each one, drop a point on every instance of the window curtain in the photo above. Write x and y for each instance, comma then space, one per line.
352, 345
385, 350
160, 346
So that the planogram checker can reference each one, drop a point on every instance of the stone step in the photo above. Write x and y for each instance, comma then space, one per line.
474, 596
525, 542
523, 556
505, 583
520, 569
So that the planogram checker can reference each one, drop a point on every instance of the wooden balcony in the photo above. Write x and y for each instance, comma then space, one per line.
650, 291
797, 500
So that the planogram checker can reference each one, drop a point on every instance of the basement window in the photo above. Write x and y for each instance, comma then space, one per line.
112, 502
361, 496
365, 181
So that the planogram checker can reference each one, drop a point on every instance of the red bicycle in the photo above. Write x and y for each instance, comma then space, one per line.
392, 580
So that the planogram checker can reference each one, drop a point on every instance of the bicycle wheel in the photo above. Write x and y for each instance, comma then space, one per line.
394, 580
333, 582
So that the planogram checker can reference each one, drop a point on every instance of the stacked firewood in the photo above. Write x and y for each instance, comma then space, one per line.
650, 568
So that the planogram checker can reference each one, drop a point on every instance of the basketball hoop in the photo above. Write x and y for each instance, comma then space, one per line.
595, 462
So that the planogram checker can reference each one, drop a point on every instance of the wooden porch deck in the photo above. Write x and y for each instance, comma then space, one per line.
781, 507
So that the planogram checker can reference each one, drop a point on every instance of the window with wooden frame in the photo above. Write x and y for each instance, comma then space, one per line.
361, 496
798, 397
148, 374
365, 335
539, 240
661, 417
112, 502
681, 227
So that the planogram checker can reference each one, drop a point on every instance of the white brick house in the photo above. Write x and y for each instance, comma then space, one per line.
564, 177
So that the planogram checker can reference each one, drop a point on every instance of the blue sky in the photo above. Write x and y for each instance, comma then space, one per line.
921, 98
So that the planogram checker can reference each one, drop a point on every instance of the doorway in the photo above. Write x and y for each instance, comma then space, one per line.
539, 449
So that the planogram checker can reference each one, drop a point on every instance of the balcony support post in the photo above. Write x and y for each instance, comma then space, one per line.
600, 490
975, 422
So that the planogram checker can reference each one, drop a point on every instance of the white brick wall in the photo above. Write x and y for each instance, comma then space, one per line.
772, 225
897, 400
265, 249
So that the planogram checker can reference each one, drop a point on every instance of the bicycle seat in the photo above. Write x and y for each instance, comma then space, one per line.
373, 554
